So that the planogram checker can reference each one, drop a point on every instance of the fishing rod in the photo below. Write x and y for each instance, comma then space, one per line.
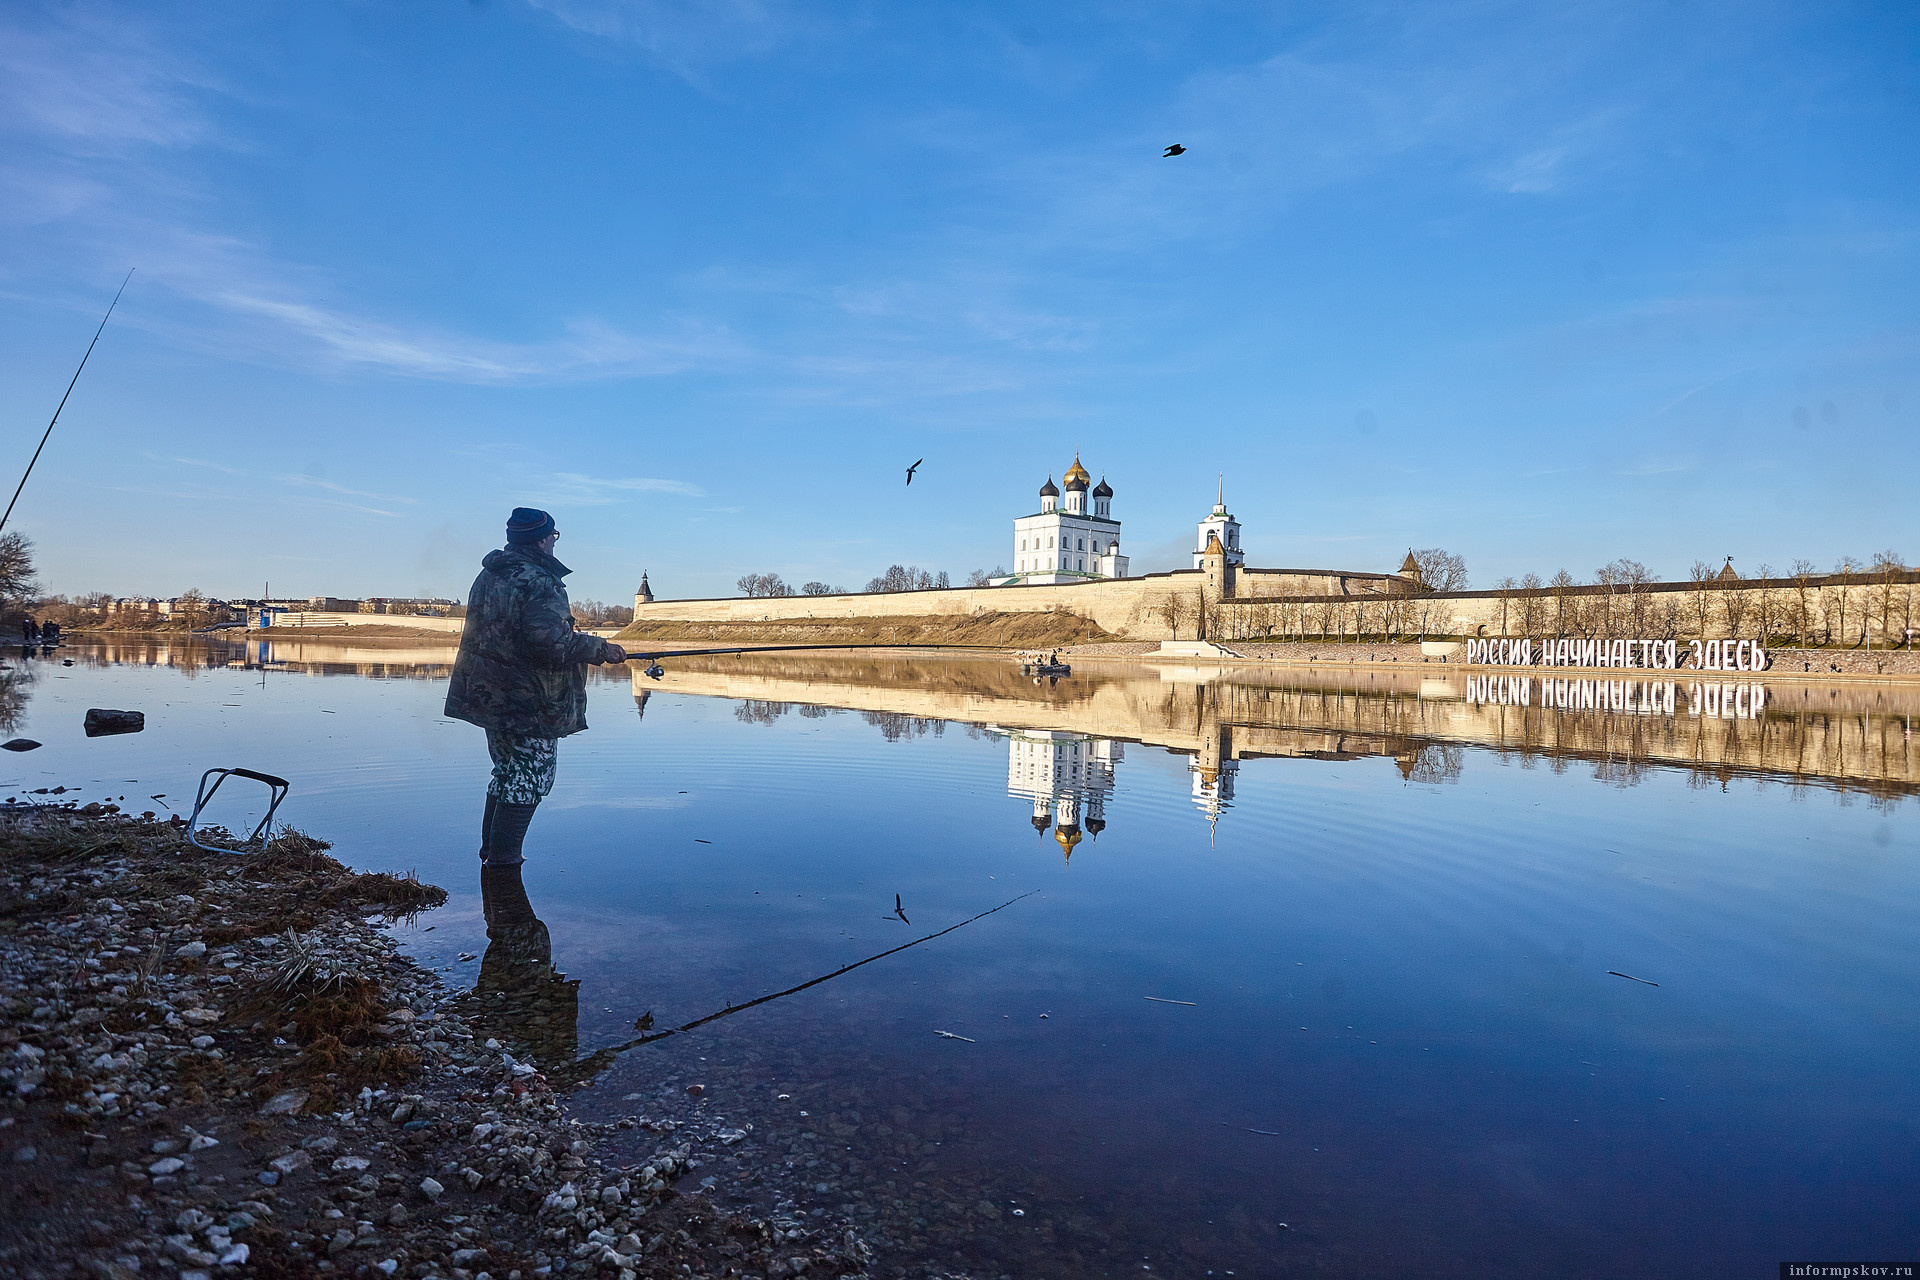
63, 399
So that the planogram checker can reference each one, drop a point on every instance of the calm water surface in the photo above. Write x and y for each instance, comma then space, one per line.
1378, 915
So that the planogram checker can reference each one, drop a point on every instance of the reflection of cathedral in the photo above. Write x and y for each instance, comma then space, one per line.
1068, 776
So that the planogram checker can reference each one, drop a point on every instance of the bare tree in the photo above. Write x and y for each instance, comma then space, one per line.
1700, 574
1844, 570
821, 589
1802, 574
1766, 609
757, 585
17, 583
1532, 611
984, 577
1440, 570
191, 607
1626, 579
1888, 569
898, 577
1562, 585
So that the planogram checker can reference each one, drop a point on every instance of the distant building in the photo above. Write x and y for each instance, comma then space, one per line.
1071, 540
1219, 524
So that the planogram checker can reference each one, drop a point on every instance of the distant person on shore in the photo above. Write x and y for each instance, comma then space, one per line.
522, 676
29, 634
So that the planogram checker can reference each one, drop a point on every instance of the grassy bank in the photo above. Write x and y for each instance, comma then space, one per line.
1007, 630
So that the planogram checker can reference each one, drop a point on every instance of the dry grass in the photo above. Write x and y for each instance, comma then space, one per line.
984, 630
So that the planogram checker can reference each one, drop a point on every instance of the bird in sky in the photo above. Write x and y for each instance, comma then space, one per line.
900, 910
1175, 150
910, 470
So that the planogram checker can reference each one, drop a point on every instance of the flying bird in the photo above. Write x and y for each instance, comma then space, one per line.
900, 910
910, 470
1175, 150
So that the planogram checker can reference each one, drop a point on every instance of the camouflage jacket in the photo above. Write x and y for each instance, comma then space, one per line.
522, 666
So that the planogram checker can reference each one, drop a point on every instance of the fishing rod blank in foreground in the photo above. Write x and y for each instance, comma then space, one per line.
63, 399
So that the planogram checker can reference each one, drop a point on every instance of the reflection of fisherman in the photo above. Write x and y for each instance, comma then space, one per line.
521, 676
520, 997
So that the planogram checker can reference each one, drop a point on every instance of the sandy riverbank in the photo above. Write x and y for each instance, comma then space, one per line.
219, 1065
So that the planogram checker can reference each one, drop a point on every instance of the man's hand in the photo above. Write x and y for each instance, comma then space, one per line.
615, 653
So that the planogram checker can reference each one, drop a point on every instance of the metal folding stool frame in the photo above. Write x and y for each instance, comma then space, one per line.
277, 788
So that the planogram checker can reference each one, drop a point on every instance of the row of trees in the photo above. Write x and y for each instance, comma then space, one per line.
593, 613
758, 585
898, 577
1859, 603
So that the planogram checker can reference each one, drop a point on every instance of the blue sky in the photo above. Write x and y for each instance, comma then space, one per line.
1542, 284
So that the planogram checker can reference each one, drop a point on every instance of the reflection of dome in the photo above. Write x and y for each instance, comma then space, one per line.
1048, 490
1095, 826
1041, 822
1068, 836
1103, 489
1076, 477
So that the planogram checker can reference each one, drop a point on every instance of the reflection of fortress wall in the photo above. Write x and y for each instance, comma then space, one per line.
1846, 734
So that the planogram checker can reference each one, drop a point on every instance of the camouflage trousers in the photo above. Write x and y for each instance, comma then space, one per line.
522, 767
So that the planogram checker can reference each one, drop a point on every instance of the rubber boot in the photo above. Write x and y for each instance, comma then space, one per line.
486, 826
507, 833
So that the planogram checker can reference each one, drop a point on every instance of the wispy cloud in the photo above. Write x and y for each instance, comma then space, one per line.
104, 109
96, 81
317, 483
687, 37
571, 487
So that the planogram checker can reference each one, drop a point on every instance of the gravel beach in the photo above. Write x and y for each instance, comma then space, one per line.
218, 1064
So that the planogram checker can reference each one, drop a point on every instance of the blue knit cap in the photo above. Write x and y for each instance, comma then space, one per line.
528, 525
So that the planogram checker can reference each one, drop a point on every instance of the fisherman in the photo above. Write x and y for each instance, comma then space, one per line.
29, 634
521, 676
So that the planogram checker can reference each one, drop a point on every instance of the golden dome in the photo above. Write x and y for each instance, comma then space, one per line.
1076, 472
1068, 838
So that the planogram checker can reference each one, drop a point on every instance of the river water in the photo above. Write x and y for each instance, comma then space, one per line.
1450, 977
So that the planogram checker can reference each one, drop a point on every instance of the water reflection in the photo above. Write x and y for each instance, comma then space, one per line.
521, 997
1062, 774
1063, 742
1378, 1009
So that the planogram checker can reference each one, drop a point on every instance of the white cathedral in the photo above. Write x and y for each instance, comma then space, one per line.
1074, 537
1074, 540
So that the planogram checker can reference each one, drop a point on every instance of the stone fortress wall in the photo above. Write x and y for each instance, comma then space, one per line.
1221, 603
1155, 606
1851, 611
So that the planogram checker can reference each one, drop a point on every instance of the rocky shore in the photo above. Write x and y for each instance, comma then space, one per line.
219, 1065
